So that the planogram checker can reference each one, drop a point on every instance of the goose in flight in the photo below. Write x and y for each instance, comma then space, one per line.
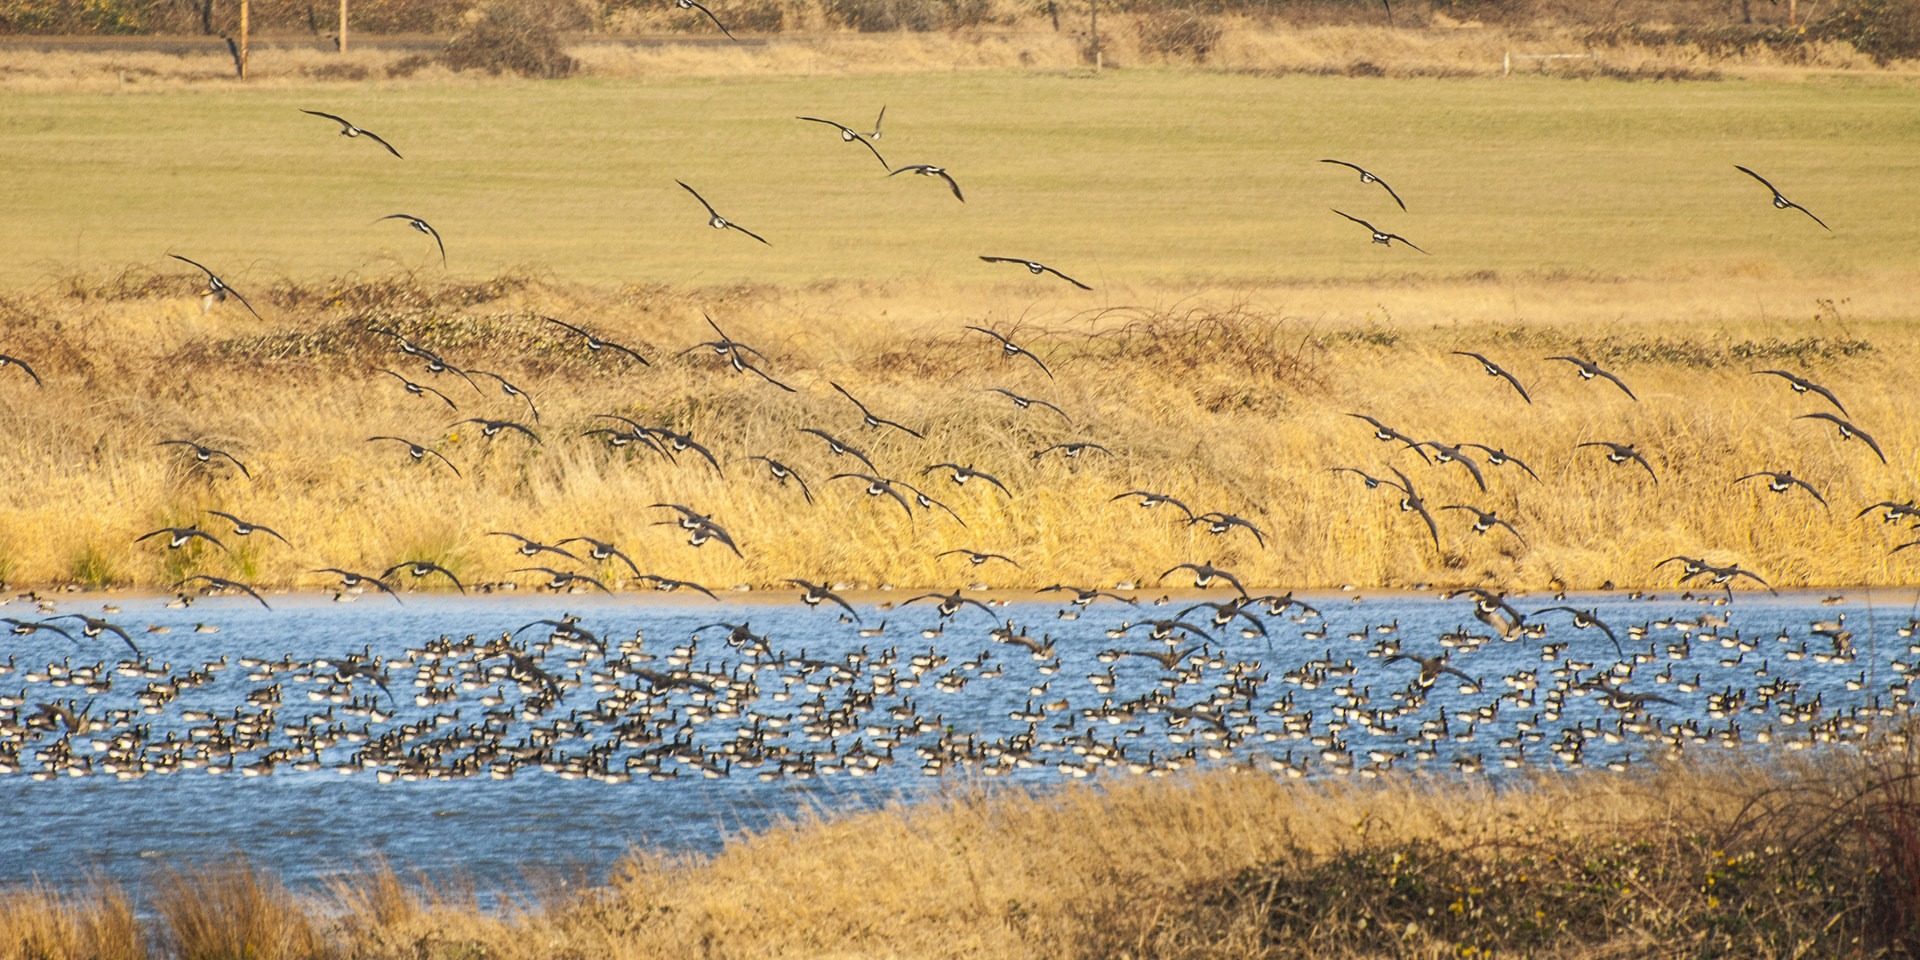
872, 421
418, 452
419, 389
962, 474
1484, 520
1500, 458
93, 627
781, 472
1621, 453
347, 129
595, 343
601, 551
1411, 502
529, 547
1380, 236
1071, 450
1387, 434
222, 583
1780, 202
1149, 500
817, 593
423, 227
1847, 431
492, 428
420, 568
243, 528
217, 290
6, 361
839, 448
1588, 370
205, 454
1219, 524
1036, 268
714, 219
1010, 349
1781, 481
1366, 177
350, 580
1205, 573
1585, 620
1803, 385
976, 557
1027, 403
877, 486
929, 170
1495, 370
696, 5
850, 135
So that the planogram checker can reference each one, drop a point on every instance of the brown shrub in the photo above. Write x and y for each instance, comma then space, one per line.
502, 37
1177, 33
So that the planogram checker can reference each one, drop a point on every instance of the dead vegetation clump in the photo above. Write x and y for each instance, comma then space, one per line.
511, 37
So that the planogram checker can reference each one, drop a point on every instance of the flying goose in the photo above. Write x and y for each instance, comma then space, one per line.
205, 454
347, 129
1780, 202
596, 343
419, 389
714, 219
242, 528
1803, 385
696, 5
781, 472
1588, 370
1621, 453
1847, 431
1366, 177
6, 361
1781, 481
872, 421
1036, 268
850, 135
423, 227
1494, 370
1381, 236
418, 452
222, 583
929, 170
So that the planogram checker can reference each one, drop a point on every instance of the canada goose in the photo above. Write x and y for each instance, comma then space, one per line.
1411, 502
350, 580
205, 454
1585, 619
1149, 500
977, 558
714, 219
1025, 403
419, 389
1380, 236
222, 583
1082, 596
1442, 453
93, 627
1372, 482
595, 343
6, 361
561, 579
420, 568
666, 585
1070, 450
178, 537
418, 452
1430, 668
1495, 370
817, 593
1621, 453
950, 604
423, 227
1781, 481
928, 503
929, 170
1010, 349
696, 5
1387, 434
1219, 524
529, 547
1588, 370
27, 628
1500, 458
510, 390
1847, 431
877, 486
840, 448
681, 443
1803, 385
849, 135
1780, 202
1484, 520
1366, 177
962, 474
1205, 573
347, 129
1895, 511
874, 422
1036, 269
492, 428
217, 290
781, 472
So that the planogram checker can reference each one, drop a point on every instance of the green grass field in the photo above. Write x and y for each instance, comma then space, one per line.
1128, 179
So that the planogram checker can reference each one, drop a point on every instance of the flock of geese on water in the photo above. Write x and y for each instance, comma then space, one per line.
1173, 688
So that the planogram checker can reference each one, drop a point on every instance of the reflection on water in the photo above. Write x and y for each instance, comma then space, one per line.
460, 736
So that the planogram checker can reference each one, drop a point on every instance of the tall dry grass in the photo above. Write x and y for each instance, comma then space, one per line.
1751, 856
1228, 402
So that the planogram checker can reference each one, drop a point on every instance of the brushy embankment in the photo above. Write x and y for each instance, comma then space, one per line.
1764, 856
1231, 407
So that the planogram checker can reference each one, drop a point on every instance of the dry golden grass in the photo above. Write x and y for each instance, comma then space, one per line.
1234, 401
1760, 856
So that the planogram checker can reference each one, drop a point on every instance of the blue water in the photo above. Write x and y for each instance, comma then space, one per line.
306, 824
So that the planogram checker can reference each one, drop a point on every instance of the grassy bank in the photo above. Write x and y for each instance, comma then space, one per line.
1755, 857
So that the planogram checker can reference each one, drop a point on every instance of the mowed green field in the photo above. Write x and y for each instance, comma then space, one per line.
1131, 177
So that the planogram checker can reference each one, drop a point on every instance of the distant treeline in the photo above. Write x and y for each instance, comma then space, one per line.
1885, 29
